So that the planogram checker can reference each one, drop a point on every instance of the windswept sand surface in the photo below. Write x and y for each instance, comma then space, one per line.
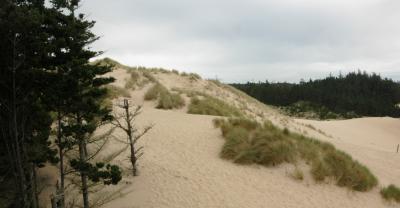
372, 141
181, 167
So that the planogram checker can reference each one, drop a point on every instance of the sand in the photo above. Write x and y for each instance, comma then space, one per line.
181, 166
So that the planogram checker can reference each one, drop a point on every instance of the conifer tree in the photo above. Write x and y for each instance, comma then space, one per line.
83, 95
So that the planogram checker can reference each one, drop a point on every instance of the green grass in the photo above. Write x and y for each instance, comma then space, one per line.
391, 193
166, 99
212, 106
154, 92
169, 100
248, 142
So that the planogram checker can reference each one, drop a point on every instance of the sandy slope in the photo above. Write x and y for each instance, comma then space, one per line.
372, 141
181, 167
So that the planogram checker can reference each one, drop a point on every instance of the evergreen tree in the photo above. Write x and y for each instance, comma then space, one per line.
24, 119
357, 92
80, 102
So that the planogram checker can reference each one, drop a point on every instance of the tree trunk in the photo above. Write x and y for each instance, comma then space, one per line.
23, 200
133, 159
61, 155
82, 157
131, 142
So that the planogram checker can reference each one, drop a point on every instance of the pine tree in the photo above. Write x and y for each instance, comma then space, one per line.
80, 102
24, 119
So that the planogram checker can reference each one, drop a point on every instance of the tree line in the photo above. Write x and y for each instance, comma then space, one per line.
358, 92
51, 99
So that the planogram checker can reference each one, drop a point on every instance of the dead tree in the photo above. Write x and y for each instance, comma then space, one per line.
125, 121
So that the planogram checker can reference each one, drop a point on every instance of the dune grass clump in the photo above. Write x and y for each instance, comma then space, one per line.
166, 99
154, 92
133, 79
212, 106
297, 174
391, 193
248, 142
169, 100
149, 76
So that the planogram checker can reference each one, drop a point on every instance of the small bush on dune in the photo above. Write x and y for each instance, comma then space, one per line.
166, 99
212, 106
247, 141
391, 193
154, 92
169, 100
133, 79
149, 76
297, 174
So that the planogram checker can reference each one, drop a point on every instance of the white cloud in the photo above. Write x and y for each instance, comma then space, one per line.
252, 40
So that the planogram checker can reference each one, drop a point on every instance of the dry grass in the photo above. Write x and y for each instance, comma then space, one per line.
166, 99
212, 106
247, 142
169, 100
133, 79
297, 174
154, 92
391, 193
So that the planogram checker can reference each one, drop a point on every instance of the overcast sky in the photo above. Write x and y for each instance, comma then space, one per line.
251, 40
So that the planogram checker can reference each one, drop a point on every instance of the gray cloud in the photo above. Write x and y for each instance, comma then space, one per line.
254, 39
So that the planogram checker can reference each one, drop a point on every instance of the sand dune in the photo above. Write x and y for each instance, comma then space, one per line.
181, 166
372, 141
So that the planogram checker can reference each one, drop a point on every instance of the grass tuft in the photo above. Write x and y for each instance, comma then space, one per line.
133, 80
154, 92
166, 99
391, 193
247, 142
297, 174
169, 100
212, 106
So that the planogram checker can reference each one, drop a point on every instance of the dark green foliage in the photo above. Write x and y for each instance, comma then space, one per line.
247, 142
108, 174
24, 116
356, 94
307, 109
212, 106
391, 193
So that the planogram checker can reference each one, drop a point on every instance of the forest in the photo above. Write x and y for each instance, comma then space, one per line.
352, 95
51, 101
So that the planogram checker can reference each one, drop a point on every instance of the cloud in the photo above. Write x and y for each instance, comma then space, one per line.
239, 41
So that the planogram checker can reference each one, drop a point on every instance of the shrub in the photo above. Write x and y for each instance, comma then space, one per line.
212, 106
149, 76
169, 100
247, 141
154, 92
297, 174
391, 192
194, 76
166, 99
